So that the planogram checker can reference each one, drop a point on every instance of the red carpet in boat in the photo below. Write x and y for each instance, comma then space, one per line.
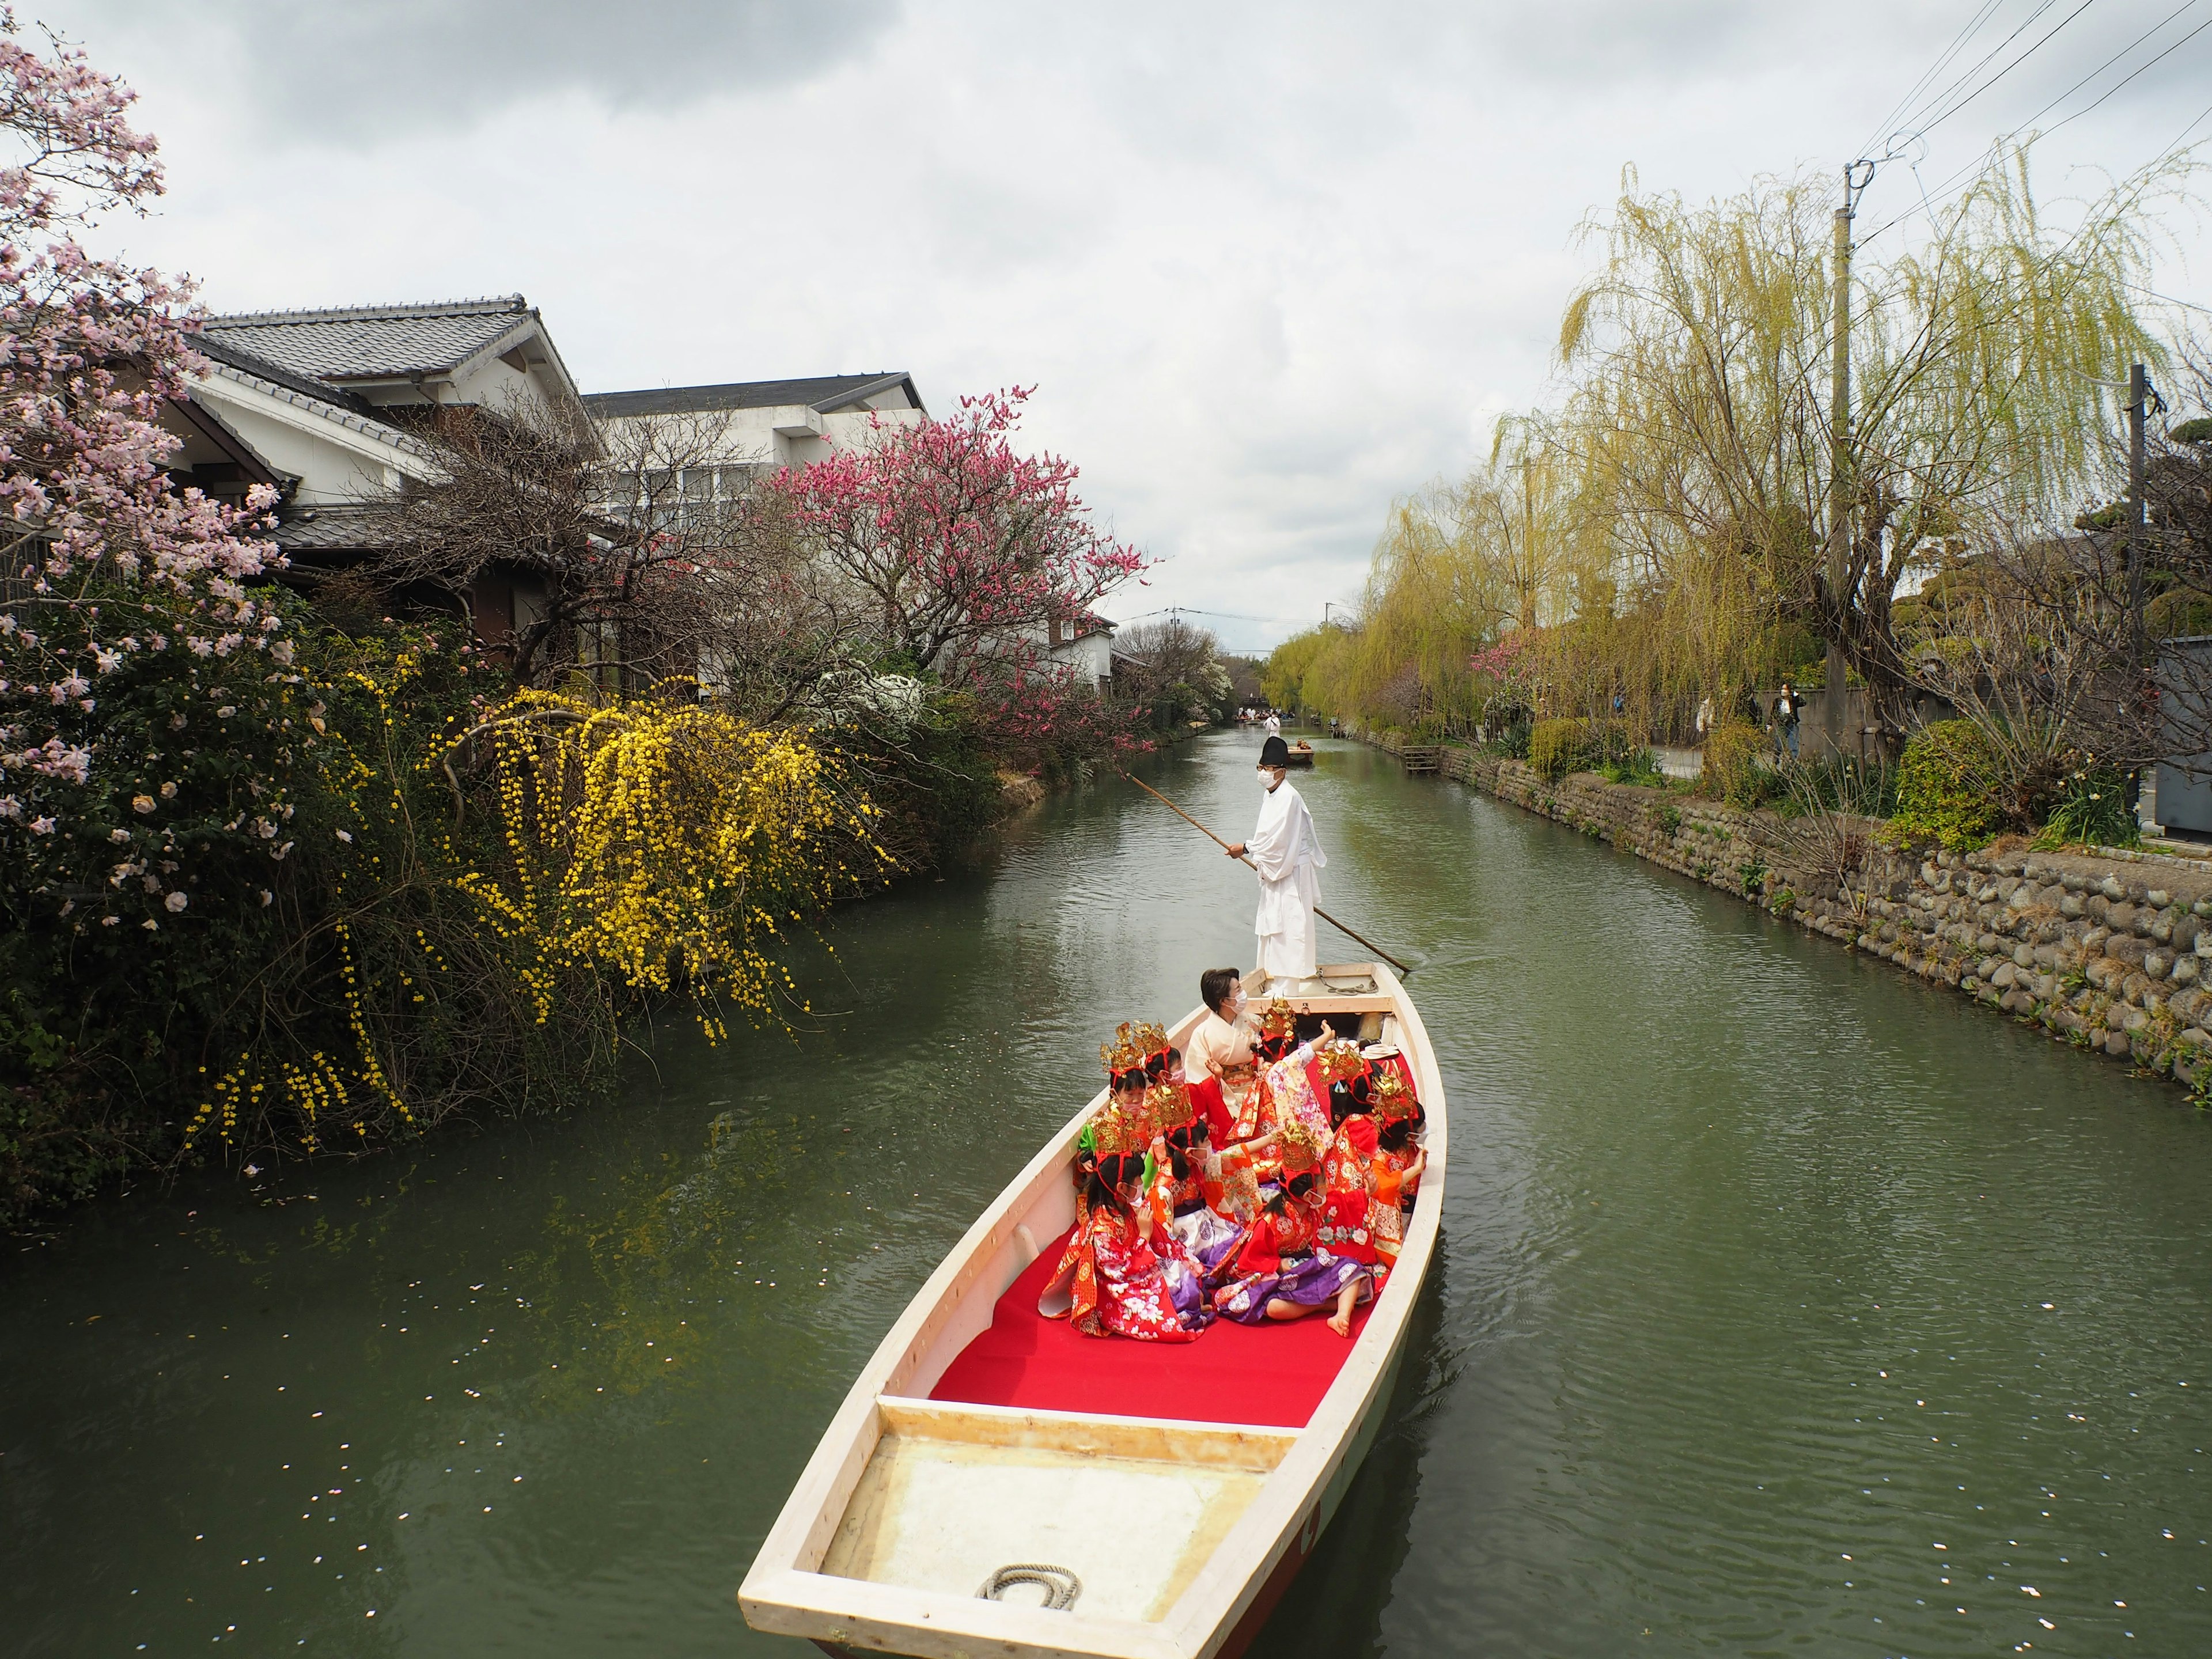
1271, 1373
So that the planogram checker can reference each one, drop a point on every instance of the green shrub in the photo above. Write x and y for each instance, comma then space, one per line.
1559, 747
1511, 741
1640, 767
1669, 820
1946, 787
2092, 809
1732, 772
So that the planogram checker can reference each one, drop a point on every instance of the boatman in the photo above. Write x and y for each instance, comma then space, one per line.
1286, 853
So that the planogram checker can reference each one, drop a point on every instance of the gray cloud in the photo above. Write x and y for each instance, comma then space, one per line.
391, 66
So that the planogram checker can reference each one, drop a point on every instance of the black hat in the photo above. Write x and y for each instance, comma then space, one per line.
1275, 752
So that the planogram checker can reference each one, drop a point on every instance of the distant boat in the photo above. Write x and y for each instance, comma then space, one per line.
985, 1445
1302, 753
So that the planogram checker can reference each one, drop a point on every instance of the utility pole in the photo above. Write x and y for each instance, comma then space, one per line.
1856, 177
2138, 514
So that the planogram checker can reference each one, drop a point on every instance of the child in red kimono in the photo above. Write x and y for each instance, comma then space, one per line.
1398, 1161
1111, 1280
1280, 1273
1349, 1172
1188, 1191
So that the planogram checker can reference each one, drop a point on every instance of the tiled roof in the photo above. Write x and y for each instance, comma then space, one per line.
367, 342
333, 529
228, 352
822, 393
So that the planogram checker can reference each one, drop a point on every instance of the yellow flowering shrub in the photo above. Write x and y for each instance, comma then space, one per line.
669, 844
470, 894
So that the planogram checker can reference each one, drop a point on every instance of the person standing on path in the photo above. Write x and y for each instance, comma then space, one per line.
1786, 719
1286, 853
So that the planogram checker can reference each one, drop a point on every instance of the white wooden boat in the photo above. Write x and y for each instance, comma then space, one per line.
1183, 1532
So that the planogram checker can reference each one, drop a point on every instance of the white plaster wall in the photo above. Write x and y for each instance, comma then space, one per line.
330, 469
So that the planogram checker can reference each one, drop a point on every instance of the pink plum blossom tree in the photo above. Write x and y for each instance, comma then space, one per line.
966, 548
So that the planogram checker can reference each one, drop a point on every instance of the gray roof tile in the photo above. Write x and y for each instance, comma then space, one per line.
367, 342
824, 393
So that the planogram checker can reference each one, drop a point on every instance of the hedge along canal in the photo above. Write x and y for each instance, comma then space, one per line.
1767, 1269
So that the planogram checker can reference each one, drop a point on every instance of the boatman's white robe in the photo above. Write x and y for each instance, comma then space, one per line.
1287, 854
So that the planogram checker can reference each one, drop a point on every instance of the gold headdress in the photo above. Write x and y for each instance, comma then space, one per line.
1393, 1099
1340, 1062
1278, 1020
1152, 1039
1125, 1054
1169, 1105
1300, 1148
1119, 1131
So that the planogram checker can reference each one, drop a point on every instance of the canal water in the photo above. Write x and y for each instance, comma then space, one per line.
1785, 1305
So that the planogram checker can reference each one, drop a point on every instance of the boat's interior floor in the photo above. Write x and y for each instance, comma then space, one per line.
1265, 1374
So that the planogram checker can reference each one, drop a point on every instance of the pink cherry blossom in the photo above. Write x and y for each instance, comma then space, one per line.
104, 551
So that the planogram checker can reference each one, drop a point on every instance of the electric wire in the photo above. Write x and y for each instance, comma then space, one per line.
2116, 85
1889, 123
1946, 106
1983, 159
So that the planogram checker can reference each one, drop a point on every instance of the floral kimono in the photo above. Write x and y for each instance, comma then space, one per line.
1278, 1261
1186, 1210
1347, 1176
1289, 1093
1110, 1282
1386, 1214
1243, 1096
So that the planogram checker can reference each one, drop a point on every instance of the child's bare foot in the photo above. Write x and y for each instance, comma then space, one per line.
1341, 1323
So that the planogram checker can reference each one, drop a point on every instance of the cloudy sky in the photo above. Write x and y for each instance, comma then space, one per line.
1269, 266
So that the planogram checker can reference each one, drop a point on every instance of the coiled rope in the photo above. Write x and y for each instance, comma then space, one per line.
1061, 1586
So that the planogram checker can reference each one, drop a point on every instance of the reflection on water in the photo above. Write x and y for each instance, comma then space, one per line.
1766, 1272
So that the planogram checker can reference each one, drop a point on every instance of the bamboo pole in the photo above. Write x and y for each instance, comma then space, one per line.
1402, 969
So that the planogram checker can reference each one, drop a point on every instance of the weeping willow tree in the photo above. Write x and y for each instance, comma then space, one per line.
1656, 541
1699, 356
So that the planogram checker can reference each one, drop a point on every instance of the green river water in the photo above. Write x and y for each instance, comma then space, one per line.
1785, 1305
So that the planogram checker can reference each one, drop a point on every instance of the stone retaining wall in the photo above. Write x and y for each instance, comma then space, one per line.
2112, 951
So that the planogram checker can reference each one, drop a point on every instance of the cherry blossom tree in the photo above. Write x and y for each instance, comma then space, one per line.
102, 563
966, 548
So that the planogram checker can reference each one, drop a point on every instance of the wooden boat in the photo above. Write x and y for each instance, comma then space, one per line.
1302, 753
981, 1437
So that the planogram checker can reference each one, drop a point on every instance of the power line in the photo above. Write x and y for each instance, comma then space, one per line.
2153, 62
1934, 115
1889, 124
1981, 161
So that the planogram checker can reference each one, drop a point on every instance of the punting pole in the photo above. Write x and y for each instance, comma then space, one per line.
1402, 969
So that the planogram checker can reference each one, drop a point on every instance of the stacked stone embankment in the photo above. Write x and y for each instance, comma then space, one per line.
2111, 951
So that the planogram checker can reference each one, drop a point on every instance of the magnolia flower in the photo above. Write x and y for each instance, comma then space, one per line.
225, 711
142, 804
10, 807
175, 903
151, 926
111, 922
279, 852
42, 826
268, 898
168, 792
118, 836
346, 836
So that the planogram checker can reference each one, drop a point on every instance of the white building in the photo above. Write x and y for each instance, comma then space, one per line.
757, 426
